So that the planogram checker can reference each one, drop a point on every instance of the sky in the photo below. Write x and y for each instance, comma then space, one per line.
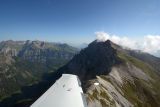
149, 43
77, 21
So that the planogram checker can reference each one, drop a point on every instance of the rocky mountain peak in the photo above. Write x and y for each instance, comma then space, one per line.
96, 59
125, 76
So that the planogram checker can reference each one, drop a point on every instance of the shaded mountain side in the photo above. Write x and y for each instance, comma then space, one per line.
30, 94
125, 80
96, 59
24, 63
12, 78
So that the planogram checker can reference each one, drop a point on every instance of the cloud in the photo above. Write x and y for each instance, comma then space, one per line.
149, 43
102, 36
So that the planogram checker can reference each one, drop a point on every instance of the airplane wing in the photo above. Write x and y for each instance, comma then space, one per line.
65, 92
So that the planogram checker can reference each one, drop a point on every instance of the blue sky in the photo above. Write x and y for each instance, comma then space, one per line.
76, 21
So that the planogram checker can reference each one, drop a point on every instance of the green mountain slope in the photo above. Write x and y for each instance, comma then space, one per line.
124, 79
132, 83
24, 63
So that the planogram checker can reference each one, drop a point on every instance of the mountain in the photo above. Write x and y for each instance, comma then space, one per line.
94, 60
126, 77
110, 75
24, 63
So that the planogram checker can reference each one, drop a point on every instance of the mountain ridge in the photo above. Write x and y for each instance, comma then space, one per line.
124, 80
129, 77
25, 62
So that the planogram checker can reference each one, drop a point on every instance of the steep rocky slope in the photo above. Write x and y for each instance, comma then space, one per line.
24, 62
125, 79
95, 60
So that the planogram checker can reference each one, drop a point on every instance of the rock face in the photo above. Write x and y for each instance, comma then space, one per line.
24, 62
110, 76
94, 60
42, 51
125, 77
36, 50
10, 48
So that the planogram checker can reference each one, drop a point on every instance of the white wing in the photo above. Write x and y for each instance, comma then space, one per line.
65, 92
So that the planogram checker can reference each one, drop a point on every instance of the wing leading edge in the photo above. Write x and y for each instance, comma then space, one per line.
65, 92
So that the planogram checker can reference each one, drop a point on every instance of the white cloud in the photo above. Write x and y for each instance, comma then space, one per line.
149, 43
102, 36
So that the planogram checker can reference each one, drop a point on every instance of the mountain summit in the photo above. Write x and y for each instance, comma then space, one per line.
111, 76
94, 60
125, 77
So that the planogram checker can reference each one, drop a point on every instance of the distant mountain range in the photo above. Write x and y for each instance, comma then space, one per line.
24, 62
127, 78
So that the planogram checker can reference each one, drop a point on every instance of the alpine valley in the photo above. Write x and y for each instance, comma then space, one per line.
127, 78
23, 63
